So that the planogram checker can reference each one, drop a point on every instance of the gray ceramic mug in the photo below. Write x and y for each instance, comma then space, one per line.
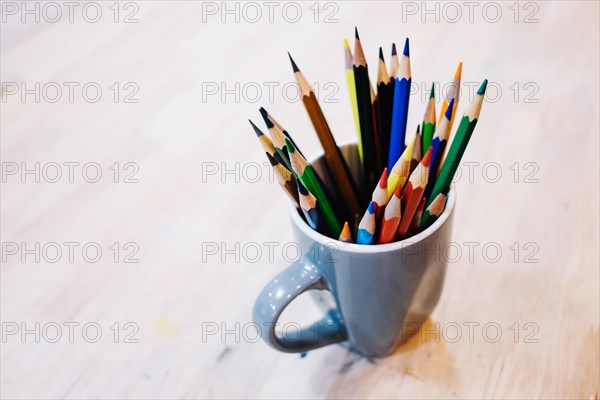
382, 293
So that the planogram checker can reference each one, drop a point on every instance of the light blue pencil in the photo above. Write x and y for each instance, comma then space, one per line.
366, 228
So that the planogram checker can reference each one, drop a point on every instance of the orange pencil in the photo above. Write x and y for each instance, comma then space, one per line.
391, 218
346, 236
452, 94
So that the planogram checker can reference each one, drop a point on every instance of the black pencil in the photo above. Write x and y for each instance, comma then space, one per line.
365, 113
385, 102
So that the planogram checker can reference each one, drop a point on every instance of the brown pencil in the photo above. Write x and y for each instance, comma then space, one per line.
333, 156
416, 155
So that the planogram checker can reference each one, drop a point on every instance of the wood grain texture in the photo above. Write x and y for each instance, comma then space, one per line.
178, 131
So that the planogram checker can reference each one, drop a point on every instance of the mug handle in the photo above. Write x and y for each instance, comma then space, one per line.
281, 291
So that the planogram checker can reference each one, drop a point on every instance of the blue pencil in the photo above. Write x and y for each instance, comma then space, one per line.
400, 109
440, 139
366, 228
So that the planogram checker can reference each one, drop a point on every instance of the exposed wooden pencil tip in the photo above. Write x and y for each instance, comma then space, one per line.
294, 66
356, 33
481, 90
406, 51
256, 130
265, 116
359, 55
394, 49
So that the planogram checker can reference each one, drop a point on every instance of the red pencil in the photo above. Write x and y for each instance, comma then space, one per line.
380, 195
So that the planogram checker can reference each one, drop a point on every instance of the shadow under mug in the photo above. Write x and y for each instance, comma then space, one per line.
382, 293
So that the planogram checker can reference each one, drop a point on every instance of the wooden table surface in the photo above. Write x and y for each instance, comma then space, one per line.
190, 199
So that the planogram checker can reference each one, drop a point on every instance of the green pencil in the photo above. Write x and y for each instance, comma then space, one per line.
305, 174
457, 149
428, 123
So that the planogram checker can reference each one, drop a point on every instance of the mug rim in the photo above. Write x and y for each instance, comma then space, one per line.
374, 248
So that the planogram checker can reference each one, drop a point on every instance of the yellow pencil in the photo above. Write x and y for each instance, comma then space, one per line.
401, 170
352, 92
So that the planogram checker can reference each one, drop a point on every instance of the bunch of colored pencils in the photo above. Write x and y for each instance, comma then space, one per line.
410, 180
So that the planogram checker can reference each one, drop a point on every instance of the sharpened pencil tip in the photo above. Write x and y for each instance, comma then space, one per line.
418, 129
301, 188
381, 54
448, 114
345, 235
256, 130
384, 179
294, 66
427, 157
406, 52
432, 94
356, 33
272, 159
394, 49
458, 73
481, 90
265, 116
371, 208
289, 146
346, 44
